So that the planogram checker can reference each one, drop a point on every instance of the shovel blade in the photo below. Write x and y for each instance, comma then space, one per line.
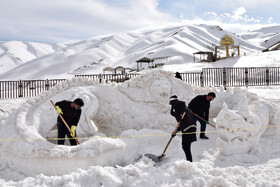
160, 157
149, 156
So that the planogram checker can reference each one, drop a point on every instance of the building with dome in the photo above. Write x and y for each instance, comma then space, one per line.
227, 48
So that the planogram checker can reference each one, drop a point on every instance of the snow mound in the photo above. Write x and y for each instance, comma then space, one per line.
103, 115
136, 108
242, 121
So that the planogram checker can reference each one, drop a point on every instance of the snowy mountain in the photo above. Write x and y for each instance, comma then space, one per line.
94, 54
14, 53
265, 37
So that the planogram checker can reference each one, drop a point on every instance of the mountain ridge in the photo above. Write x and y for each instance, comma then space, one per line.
94, 54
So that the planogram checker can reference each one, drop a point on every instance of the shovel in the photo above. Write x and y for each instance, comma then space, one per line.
203, 119
158, 158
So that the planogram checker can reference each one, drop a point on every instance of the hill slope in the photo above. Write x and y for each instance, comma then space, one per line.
265, 37
94, 54
14, 53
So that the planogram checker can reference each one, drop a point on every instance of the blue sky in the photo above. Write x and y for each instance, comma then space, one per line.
63, 20
243, 11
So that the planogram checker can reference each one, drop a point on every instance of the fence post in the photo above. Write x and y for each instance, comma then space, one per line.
20, 89
246, 77
267, 76
224, 78
126, 77
100, 77
47, 84
201, 79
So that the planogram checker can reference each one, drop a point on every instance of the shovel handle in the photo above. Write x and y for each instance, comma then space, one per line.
173, 133
203, 119
64, 122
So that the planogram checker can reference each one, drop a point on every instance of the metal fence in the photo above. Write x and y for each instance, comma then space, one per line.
212, 77
109, 77
238, 77
25, 88
192, 78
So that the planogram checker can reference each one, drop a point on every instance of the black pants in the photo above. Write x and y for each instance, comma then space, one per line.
61, 132
186, 145
202, 127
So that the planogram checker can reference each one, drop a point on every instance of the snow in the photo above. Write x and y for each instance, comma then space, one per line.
91, 56
265, 36
122, 121
119, 122
14, 53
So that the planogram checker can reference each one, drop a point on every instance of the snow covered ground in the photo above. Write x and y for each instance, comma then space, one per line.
137, 113
119, 122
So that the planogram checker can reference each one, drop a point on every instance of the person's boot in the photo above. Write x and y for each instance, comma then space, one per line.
202, 136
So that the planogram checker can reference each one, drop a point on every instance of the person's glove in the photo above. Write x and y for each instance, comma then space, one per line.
59, 110
173, 134
73, 127
207, 122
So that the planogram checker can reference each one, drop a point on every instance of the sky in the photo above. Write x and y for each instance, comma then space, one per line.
67, 20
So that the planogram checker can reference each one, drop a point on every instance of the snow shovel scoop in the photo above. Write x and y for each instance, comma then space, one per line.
157, 158
64, 122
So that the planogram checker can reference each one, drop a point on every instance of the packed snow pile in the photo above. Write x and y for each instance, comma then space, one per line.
138, 107
242, 121
240, 134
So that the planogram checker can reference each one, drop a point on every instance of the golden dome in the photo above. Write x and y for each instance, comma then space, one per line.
226, 40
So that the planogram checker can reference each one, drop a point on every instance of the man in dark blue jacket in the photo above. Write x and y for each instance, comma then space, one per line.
71, 112
200, 105
187, 125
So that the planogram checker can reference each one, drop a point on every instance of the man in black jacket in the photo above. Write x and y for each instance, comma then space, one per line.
71, 112
187, 125
200, 105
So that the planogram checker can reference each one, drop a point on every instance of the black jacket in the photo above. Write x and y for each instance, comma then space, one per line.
177, 110
200, 106
70, 115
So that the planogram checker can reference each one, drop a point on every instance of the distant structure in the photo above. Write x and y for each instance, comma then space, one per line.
205, 56
274, 47
145, 60
117, 70
108, 69
226, 43
150, 62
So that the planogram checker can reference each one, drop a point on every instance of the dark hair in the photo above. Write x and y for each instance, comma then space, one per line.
211, 94
79, 102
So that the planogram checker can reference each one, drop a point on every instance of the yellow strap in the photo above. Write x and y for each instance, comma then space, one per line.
137, 136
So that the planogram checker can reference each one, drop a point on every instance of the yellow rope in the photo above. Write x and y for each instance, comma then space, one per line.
137, 136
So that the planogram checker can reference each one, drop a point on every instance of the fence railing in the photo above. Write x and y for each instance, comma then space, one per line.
238, 77
26, 88
212, 77
109, 77
192, 78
